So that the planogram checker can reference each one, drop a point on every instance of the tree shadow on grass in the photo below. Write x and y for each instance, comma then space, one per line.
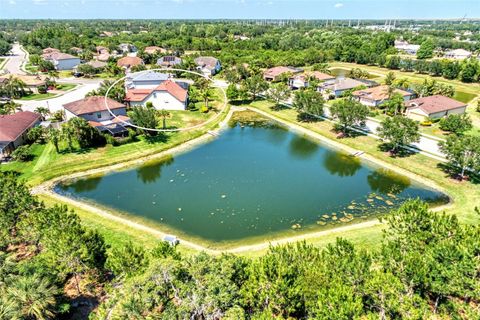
279, 107
308, 118
161, 137
454, 173
399, 153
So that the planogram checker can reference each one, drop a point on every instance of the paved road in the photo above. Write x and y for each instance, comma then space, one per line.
15, 60
55, 104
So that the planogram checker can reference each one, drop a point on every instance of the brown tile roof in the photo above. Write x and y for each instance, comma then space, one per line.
276, 71
316, 74
129, 62
50, 50
378, 93
169, 86
97, 64
31, 81
153, 49
434, 104
14, 125
91, 105
57, 56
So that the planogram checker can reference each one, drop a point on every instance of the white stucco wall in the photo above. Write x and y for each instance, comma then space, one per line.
98, 116
66, 64
162, 100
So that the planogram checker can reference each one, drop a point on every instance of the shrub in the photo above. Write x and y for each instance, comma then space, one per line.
42, 89
22, 153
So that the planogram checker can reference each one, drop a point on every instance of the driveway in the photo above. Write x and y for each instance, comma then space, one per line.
15, 60
55, 104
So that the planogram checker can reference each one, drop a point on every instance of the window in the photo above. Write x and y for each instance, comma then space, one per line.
99, 115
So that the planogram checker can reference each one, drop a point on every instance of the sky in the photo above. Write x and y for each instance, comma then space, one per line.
238, 9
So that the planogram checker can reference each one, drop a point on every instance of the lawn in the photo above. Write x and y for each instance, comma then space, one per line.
48, 164
65, 86
465, 97
38, 96
465, 194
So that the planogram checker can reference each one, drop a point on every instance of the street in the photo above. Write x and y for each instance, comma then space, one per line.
15, 60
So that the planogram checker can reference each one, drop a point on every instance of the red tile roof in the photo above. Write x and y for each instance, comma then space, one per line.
276, 71
14, 125
169, 86
91, 105
434, 104
129, 62
57, 56
315, 74
378, 93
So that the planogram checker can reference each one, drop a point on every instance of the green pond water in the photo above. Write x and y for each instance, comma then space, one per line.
251, 182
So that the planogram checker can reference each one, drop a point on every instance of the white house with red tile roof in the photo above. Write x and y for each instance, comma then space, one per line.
275, 73
14, 128
168, 96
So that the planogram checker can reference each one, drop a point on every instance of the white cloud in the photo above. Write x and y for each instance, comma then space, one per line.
39, 1
12, 2
338, 5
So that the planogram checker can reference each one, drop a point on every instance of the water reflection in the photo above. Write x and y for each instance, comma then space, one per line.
277, 135
387, 181
85, 185
150, 173
302, 148
341, 165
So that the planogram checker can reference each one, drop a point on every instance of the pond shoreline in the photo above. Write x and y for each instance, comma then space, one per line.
48, 188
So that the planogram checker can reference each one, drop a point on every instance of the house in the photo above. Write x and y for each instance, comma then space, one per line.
145, 79
339, 86
62, 61
75, 50
169, 61
101, 49
94, 110
127, 47
209, 66
405, 47
375, 96
49, 50
32, 82
302, 80
168, 95
97, 64
14, 128
433, 107
458, 54
154, 50
128, 62
275, 73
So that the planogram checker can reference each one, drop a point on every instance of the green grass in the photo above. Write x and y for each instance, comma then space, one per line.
65, 86
465, 195
465, 97
38, 96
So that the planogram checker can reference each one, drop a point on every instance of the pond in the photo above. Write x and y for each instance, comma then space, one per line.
251, 182
343, 73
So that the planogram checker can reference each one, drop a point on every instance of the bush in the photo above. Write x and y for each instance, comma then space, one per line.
22, 153
42, 89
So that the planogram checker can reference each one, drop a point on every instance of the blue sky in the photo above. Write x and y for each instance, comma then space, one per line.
231, 9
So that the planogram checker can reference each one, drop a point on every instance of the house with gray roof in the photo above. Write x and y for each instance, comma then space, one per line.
208, 65
339, 86
145, 79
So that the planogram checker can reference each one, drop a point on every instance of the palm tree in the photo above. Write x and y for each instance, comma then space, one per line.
54, 136
10, 107
33, 297
164, 114
15, 87
206, 94
68, 133
43, 111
